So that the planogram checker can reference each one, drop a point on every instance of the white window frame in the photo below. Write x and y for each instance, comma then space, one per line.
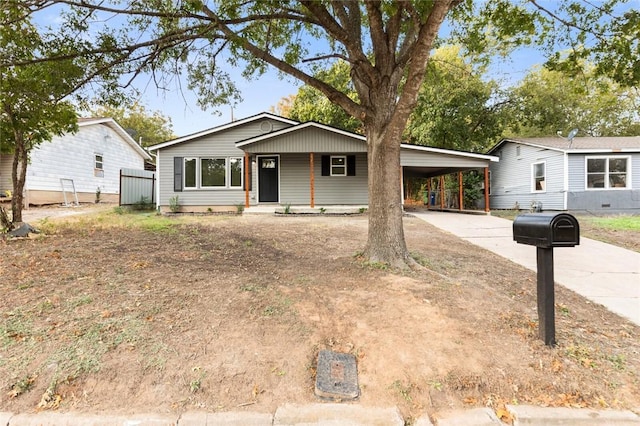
184, 173
226, 177
331, 165
606, 172
98, 165
544, 176
198, 171
229, 177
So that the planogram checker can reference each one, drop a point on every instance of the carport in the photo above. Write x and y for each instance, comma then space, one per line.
427, 162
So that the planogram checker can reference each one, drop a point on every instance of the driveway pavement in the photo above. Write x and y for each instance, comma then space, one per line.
602, 273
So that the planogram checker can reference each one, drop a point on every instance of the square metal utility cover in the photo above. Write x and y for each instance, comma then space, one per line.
337, 376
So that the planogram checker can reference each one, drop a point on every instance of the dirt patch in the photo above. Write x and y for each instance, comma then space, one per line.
229, 313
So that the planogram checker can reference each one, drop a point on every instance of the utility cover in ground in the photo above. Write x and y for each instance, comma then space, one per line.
337, 376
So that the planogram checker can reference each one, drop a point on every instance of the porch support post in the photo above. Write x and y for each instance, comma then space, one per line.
486, 190
312, 182
441, 192
460, 192
428, 193
247, 164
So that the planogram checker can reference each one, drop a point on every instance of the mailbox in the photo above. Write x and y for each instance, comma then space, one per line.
547, 230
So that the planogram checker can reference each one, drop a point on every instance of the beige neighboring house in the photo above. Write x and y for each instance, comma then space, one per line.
85, 161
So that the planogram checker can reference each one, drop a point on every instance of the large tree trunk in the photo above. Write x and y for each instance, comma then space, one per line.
19, 176
385, 243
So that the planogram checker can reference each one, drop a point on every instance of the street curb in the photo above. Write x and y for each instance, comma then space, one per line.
471, 417
532, 415
248, 418
336, 414
79, 419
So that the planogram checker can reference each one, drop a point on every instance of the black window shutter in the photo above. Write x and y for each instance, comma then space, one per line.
351, 165
177, 174
326, 165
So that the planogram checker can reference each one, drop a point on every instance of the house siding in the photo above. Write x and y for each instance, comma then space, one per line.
72, 156
511, 178
219, 144
6, 162
579, 198
308, 140
421, 158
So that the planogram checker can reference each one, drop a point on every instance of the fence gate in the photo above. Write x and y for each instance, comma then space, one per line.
137, 186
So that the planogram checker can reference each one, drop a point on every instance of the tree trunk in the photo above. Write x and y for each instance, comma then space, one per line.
385, 243
19, 175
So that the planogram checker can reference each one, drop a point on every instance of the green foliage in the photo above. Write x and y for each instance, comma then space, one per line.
547, 101
144, 204
310, 104
458, 108
144, 126
174, 204
622, 222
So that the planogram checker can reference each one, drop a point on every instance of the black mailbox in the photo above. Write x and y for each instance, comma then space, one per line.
546, 230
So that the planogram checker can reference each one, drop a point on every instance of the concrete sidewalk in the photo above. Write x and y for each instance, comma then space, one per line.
602, 273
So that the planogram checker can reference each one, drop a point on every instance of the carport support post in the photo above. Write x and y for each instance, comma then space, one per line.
546, 297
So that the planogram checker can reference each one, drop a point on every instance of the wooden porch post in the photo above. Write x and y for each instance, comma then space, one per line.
312, 182
486, 190
247, 164
428, 193
460, 192
441, 192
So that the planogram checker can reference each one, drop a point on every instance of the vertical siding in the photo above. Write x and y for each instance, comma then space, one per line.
136, 185
511, 178
579, 198
72, 156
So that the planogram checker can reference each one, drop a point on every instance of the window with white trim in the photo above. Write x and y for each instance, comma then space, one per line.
213, 173
338, 165
98, 165
538, 177
607, 172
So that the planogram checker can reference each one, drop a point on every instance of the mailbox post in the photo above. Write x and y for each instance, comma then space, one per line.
546, 231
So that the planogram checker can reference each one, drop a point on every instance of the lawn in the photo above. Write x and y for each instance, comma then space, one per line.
146, 313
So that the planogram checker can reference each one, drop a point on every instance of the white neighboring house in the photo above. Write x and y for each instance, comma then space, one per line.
90, 158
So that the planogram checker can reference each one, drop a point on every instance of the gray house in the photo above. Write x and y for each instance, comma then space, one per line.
588, 173
270, 160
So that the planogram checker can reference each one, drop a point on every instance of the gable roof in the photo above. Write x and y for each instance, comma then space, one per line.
580, 145
297, 127
222, 127
113, 125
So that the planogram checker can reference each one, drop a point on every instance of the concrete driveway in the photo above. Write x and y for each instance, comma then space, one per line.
601, 272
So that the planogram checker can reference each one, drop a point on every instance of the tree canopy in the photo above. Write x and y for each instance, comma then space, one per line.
33, 108
548, 101
387, 45
146, 127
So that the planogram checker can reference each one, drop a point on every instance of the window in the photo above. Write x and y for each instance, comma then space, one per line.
206, 173
235, 172
339, 165
607, 172
538, 172
213, 172
98, 166
190, 172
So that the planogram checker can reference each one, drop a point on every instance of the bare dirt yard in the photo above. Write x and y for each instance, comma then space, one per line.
126, 313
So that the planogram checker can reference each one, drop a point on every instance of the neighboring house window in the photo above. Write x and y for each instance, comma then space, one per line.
190, 172
98, 168
607, 172
539, 183
338, 165
213, 172
209, 173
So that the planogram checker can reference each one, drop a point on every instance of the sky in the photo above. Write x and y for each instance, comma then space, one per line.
264, 93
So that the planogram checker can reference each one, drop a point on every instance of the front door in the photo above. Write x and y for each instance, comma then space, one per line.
268, 179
